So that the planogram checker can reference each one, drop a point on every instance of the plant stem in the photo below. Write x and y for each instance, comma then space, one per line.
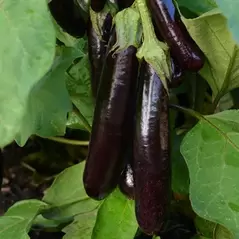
82, 118
148, 28
187, 111
68, 141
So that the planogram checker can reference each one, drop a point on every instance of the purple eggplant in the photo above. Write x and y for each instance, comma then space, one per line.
152, 167
104, 163
97, 49
185, 51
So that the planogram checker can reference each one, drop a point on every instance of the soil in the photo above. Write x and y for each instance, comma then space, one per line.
18, 184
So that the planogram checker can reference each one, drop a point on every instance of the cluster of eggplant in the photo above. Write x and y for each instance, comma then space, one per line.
129, 145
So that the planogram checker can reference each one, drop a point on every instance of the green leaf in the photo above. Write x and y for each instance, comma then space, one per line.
49, 102
230, 10
82, 226
79, 87
116, 218
180, 176
27, 51
211, 151
26, 209
210, 32
198, 7
67, 195
13, 227
17, 221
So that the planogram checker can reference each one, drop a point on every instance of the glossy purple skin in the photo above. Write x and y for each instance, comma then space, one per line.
152, 167
126, 183
68, 17
97, 5
97, 50
104, 164
183, 48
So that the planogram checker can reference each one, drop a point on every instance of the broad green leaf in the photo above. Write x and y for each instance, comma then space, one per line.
26, 209
82, 226
67, 195
116, 218
211, 151
180, 176
13, 227
17, 221
230, 10
211, 33
49, 102
79, 87
27, 51
198, 7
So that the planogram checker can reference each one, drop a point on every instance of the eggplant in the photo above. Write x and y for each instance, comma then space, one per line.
185, 51
125, 3
126, 183
68, 17
97, 49
104, 163
152, 167
97, 5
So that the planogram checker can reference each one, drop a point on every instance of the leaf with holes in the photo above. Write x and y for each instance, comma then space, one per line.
26, 53
211, 151
211, 33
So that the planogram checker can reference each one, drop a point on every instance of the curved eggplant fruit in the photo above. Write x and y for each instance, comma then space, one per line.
97, 50
97, 5
104, 163
68, 17
175, 34
125, 3
126, 183
152, 167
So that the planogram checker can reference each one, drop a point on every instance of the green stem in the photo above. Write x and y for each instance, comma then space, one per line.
82, 118
68, 141
187, 111
148, 28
